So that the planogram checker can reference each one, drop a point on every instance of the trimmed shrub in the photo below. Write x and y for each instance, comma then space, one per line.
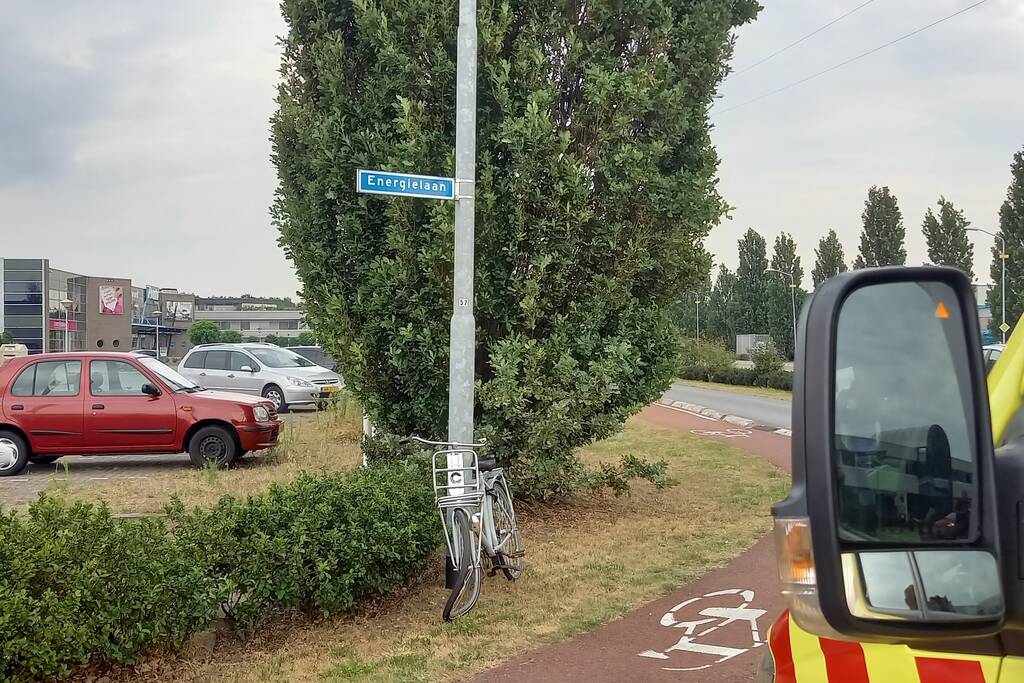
779, 380
767, 360
79, 584
710, 358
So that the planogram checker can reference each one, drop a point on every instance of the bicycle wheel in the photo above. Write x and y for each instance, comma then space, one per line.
510, 541
465, 556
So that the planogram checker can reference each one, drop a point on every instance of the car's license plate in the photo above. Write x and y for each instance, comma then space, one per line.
330, 389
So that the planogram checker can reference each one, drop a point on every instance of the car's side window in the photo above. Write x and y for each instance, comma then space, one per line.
49, 378
216, 360
115, 378
239, 359
196, 360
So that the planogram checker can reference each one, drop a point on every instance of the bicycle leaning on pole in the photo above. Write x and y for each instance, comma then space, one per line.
476, 510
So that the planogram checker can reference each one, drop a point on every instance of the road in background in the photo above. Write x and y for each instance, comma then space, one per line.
770, 412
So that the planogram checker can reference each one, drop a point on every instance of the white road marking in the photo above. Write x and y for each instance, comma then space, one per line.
724, 433
724, 615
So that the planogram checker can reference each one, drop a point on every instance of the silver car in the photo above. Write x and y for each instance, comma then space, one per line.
282, 376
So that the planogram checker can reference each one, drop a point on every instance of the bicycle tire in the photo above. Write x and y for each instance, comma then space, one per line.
467, 584
504, 516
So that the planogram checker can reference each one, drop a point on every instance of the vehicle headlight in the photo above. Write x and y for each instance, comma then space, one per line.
261, 414
299, 382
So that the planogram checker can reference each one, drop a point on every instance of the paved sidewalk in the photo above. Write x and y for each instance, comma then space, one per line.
712, 630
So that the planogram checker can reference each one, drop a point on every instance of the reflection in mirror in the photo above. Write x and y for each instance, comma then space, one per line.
956, 585
903, 450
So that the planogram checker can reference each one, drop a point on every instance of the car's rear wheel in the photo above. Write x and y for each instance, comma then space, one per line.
43, 459
13, 453
212, 445
275, 395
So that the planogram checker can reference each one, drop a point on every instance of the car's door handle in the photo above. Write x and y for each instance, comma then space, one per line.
231, 376
98, 406
202, 374
17, 406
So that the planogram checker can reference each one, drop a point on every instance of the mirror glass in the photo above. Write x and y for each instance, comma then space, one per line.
928, 585
903, 451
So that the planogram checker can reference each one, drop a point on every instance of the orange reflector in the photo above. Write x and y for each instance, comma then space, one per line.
941, 311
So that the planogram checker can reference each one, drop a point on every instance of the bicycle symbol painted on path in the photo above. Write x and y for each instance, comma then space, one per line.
723, 433
720, 624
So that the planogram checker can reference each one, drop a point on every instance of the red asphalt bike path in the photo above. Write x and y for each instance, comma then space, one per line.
710, 631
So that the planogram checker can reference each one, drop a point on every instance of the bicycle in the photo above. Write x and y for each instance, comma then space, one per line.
476, 509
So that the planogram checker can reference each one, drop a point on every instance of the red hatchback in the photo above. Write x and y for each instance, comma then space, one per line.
113, 403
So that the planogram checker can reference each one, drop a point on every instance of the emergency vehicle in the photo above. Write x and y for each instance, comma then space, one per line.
900, 545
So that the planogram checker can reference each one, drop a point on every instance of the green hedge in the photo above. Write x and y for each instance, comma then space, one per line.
78, 584
747, 377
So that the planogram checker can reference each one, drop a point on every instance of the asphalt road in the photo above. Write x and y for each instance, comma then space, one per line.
771, 412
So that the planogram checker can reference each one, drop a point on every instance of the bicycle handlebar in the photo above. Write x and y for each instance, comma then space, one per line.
426, 442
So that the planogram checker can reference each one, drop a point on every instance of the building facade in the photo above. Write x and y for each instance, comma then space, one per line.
257, 324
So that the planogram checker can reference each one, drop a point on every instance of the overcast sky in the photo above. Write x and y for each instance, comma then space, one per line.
938, 114
134, 137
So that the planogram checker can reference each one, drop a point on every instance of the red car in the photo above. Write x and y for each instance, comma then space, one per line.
112, 403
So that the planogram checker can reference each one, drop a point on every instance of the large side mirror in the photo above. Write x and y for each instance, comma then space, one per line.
150, 389
246, 368
890, 531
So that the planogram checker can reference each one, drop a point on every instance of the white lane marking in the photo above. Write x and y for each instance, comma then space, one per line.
688, 412
724, 615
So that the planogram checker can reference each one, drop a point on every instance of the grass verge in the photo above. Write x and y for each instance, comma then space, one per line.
586, 564
324, 441
737, 389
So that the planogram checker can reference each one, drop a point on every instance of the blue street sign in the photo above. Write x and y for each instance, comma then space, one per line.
405, 184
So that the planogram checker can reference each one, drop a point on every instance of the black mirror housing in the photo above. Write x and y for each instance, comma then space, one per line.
821, 477
150, 389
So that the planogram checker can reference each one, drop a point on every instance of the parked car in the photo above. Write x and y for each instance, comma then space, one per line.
151, 353
991, 353
317, 355
115, 403
283, 377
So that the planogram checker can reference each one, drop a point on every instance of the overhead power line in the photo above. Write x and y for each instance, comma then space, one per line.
802, 39
852, 59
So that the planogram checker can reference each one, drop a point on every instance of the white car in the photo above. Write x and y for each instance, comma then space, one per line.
279, 375
990, 353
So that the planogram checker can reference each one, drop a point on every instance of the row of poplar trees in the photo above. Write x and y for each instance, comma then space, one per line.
751, 301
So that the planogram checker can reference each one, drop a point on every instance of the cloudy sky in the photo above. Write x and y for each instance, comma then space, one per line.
938, 114
133, 137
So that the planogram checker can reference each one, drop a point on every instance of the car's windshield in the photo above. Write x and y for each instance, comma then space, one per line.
174, 380
279, 358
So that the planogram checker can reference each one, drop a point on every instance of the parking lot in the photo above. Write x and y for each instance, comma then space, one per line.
24, 488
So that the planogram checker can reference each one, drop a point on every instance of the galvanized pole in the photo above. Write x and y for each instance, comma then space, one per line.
462, 348
1002, 285
463, 325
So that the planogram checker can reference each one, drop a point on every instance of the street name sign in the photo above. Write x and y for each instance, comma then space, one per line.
405, 185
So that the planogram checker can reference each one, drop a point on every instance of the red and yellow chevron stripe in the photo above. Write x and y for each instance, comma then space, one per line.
804, 658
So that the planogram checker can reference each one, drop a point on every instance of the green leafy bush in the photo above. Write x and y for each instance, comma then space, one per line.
595, 188
745, 377
767, 360
78, 584
778, 380
709, 358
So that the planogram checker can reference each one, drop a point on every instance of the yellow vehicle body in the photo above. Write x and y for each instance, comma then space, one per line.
801, 657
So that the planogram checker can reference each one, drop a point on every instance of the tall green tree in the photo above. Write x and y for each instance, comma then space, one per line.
1011, 228
881, 240
203, 332
6, 337
595, 188
685, 310
720, 316
828, 259
749, 309
779, 298
946, 235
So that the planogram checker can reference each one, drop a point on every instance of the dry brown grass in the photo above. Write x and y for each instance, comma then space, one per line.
766, 392
312, 442
586, 564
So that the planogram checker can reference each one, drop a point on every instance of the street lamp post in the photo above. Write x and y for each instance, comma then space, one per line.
1002, 286
67, 304
696, 298
792, 295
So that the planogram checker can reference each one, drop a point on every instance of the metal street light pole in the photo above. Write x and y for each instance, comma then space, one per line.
696, 298
792, 295
462, 358
1002, 285
67, 304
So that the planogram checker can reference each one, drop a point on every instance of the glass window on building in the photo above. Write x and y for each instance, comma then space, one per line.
23, 302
